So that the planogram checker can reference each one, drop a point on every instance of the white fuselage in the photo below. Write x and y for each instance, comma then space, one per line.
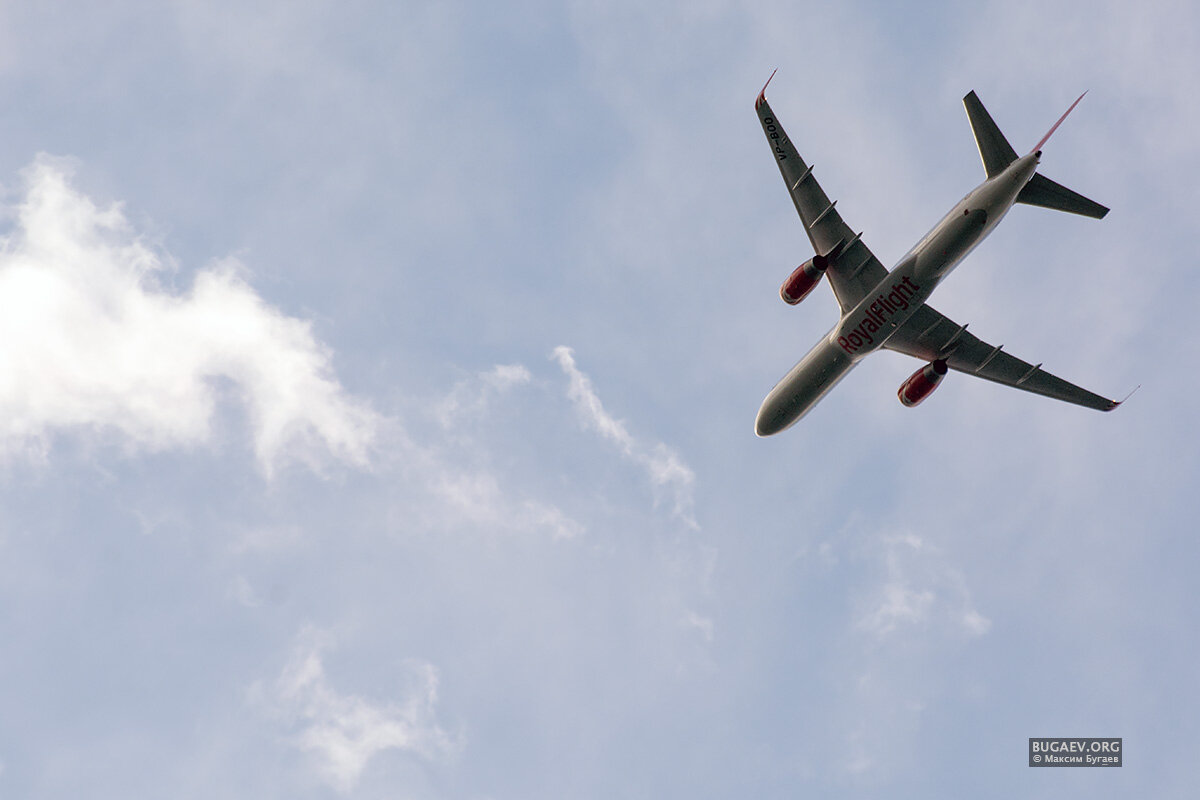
864, 328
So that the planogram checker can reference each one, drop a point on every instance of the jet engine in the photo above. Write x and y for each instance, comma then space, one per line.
801, 282
922, 383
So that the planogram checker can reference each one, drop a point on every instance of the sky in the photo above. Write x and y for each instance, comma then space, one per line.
378, 380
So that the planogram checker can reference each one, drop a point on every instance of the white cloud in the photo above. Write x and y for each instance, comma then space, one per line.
898, 604
665, 468
344, 731
470, 397
265, 539
477, 497
975, 623
919, 582
243, 593
91, 341
704, 625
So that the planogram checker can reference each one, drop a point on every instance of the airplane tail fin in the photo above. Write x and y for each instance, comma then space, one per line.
997, 154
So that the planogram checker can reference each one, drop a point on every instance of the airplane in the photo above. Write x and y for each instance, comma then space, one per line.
882, 309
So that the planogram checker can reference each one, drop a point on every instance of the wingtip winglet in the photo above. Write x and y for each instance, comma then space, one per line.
1115, 403
762, 96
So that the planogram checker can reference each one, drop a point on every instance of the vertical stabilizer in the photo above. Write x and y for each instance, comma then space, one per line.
994, 149
1038, 147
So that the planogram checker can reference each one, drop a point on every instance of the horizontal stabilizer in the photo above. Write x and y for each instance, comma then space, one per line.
1041, 191
994, 149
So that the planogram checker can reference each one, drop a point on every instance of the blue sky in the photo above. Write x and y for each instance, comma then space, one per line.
377, 387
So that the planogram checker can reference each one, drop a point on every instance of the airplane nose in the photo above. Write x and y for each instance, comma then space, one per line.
763, 428
769, 421
803, 387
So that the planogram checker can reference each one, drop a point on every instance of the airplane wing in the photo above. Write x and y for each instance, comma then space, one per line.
856, 270
929, 335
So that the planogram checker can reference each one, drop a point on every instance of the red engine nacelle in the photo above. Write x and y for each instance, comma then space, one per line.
922, 383
801, 282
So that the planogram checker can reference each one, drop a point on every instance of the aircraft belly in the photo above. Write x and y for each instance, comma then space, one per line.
800, 389
951, 241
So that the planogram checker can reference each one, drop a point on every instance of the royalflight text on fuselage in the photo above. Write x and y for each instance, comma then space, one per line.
883, 306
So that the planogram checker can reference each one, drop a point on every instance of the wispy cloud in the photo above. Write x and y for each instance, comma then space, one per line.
897, 604
665, 468
476, 497
918, 583
704, 625
343, 732
90, 340
452, 462
470, 397
912, 613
